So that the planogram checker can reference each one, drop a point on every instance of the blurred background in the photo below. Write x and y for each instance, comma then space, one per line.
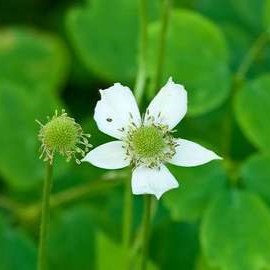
58, 54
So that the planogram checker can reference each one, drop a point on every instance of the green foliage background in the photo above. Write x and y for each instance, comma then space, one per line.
58, 54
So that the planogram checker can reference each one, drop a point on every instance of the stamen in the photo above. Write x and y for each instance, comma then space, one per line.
150, 144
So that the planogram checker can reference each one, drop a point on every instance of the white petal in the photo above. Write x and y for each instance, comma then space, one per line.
152, 181
169, 106
108, 156
189, 154
116, 109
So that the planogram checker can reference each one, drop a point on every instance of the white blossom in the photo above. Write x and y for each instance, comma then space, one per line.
146, 143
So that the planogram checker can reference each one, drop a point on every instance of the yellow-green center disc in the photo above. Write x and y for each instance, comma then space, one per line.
147, 142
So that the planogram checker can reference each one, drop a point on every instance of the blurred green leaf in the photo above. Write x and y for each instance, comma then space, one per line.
71, 240
239, 41
19, 134
252, 107
203, 265
106, 41
33, 67
255, 174
197, 188
250, 12
174, 245
206, 129
218, 10
267, 14
195, 56
17, 250
32, 59
110, 255
105, 35
235, 233
112, 205
212, 129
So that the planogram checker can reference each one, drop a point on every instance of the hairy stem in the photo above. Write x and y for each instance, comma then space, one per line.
138, 92
161, 48
141, 74
45, 214
146, 230
127, 223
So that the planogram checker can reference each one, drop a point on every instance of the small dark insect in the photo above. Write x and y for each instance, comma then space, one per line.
109, 119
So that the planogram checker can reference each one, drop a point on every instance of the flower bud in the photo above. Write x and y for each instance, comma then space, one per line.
61, 134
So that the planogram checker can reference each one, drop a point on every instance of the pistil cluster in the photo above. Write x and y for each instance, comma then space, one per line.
63, 135
149, 144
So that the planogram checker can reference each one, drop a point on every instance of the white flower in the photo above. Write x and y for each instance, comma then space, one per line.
145, 143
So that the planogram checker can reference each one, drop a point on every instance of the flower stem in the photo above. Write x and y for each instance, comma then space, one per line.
45, 213
237, 82
8, 204
251, 55
141, 74
161, 48
146, 230
127, 223
138, 92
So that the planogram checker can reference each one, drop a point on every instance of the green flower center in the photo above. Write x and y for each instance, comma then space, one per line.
149, 145
61, 134
148, 142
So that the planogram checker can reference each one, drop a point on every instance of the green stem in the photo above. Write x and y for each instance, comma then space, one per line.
228, 124
161, 48
139, 235
141, 75
92, 188
251, 55
45, 214
9, 205
28, 214
127, 223
89, 189
146, 230
138, 91
238, 80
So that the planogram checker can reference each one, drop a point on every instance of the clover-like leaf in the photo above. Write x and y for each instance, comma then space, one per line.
250, 12
17, 250
235, 232
165, 247
106, 41
252, 107
110, 255
105, 36
19, 133
71, 240
32, 59
195, 56
199, 186
255, 174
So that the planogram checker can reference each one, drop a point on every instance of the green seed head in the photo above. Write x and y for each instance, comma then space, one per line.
60, 134
63, 135
148, 142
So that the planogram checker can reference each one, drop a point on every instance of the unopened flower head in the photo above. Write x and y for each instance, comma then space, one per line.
146, 143
61, 134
